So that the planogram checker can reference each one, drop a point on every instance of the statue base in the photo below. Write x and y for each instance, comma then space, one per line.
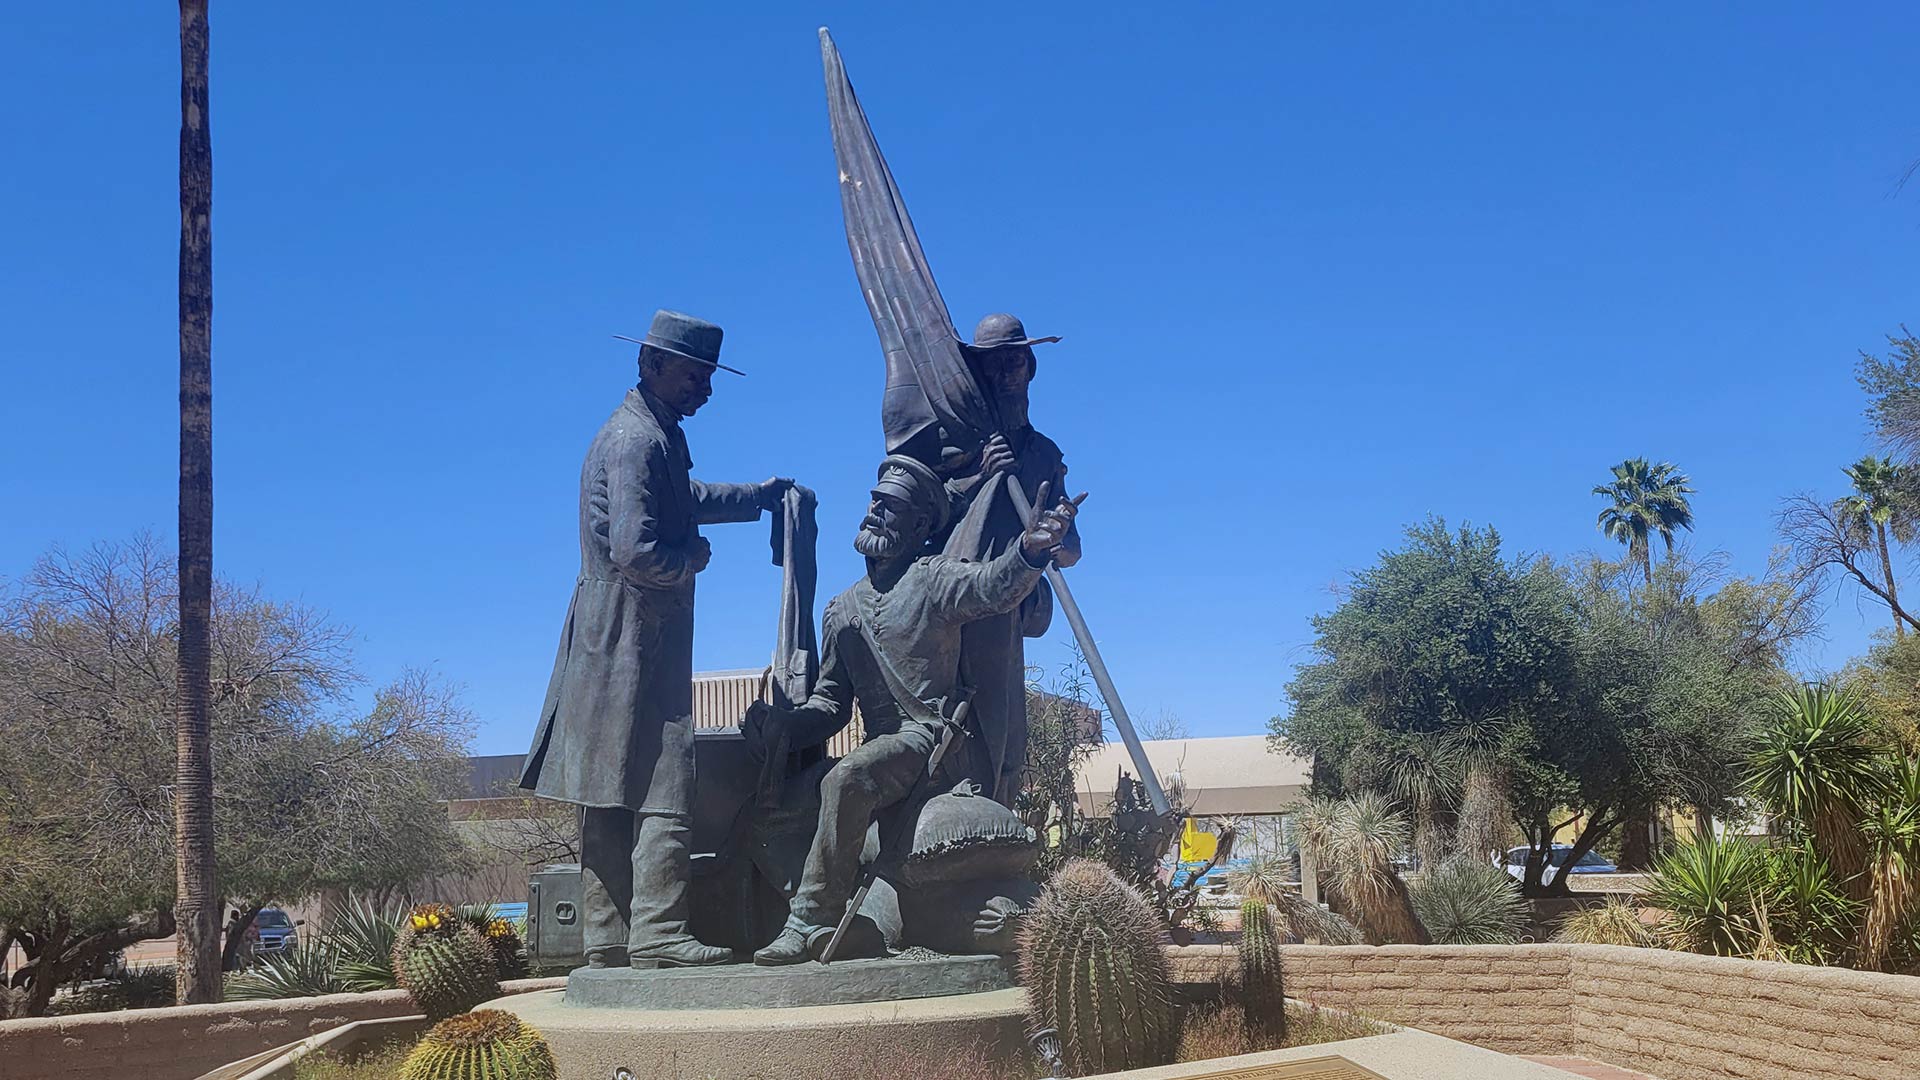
804, 1043
745, 986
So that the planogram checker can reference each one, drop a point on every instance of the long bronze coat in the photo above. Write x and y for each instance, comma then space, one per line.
617, 726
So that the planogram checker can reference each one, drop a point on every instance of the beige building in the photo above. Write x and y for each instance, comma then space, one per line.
1228, 776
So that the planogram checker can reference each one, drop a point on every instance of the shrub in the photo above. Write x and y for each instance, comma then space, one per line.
1614, 922
1711, 891
1353, 841
1465, 902
310, 969
1095, 972
146, 987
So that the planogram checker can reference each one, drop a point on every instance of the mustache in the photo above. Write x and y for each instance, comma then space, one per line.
876, 541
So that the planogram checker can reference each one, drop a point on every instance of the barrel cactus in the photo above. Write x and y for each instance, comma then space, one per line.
503, 936
1263, 998
446, 964
483, 1045
1092, 963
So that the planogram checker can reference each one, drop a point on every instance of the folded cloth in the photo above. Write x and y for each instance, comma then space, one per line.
796, 650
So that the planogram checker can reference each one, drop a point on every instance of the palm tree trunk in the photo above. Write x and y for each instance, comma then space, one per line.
196, 904
1646, 561
1886, 568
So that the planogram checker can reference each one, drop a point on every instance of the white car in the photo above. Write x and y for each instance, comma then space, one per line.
1515, 863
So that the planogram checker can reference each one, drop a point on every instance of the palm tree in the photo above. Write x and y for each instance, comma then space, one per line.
196, 904
1880, 505
1648, 501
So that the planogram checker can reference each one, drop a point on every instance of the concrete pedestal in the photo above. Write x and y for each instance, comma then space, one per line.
744, 986
797, 1043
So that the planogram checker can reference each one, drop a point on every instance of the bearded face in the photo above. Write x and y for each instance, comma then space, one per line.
890, 529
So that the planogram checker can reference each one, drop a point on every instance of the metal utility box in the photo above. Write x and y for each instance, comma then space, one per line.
553, 917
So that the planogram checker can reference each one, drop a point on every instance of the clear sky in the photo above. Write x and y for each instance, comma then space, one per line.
1320, 273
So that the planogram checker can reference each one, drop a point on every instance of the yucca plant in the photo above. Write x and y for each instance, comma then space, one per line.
1818, 762
1465, 902
1891, 831
1263, 878
1806, 912
309, 969
1612, 922
1713, 891
1311, 924
1353, 841
364, 935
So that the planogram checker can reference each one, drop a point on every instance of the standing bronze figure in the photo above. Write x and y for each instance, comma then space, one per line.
616, 731
993, 659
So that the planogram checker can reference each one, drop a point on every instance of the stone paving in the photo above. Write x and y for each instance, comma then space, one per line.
1592, 1070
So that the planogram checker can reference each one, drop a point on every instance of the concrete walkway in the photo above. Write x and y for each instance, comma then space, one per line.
1592, 1070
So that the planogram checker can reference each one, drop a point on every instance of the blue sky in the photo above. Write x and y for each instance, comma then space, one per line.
1320, 273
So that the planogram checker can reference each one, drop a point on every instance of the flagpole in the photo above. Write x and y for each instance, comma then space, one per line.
1095, 664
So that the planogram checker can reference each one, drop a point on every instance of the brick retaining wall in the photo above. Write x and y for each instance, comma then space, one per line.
1676, 1015
185, 1041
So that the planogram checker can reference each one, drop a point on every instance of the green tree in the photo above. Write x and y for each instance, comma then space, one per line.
1892, 384
1646, 501
1881, 505
1581, 696
1430, 676
309, 796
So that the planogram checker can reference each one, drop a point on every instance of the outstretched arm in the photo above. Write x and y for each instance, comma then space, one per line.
975, 590
719, 503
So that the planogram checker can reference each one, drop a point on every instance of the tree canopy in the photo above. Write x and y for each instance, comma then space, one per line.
308, 795
1550, 696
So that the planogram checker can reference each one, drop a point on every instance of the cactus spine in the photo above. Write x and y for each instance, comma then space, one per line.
1263, 997
483, 1045
446, 964
1092, 963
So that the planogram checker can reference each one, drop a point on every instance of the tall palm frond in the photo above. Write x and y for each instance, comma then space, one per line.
1880, 507
1647, 501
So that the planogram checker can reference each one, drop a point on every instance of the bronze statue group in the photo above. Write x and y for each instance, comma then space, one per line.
967, 512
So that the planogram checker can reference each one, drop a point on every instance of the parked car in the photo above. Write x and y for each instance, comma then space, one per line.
277, 932
1515, 863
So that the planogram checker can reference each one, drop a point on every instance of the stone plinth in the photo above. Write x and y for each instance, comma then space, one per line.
743, 986
775, 1043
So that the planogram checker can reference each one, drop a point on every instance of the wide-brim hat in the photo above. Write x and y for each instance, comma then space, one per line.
925, 491
1002, 331
685, 336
